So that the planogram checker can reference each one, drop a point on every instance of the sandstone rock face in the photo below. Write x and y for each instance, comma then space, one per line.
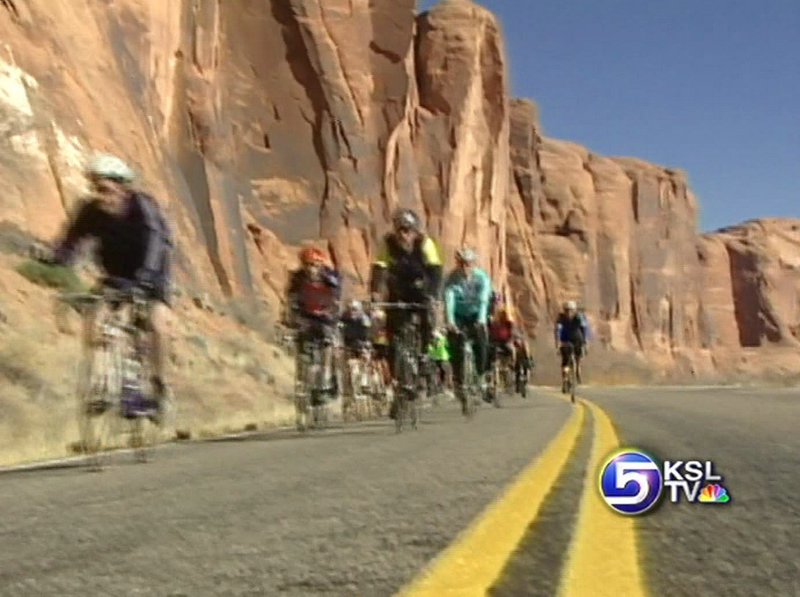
263, 125
620, 236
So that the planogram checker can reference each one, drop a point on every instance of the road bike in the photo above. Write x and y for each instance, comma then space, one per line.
364, 389
469, 393
113, 375
569, 383
502, 375
311, 374
521, 374
405, 342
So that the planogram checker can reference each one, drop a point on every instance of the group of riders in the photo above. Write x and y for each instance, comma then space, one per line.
408, 270
134, 247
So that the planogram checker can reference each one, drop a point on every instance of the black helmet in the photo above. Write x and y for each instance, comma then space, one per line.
405, 218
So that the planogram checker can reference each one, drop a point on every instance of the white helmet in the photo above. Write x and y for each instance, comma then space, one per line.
466, 255
356, 305
570, 306
108, 166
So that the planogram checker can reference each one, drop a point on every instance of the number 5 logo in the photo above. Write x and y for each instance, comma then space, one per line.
630, 482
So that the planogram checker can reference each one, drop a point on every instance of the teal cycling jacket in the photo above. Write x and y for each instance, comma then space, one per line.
467, 299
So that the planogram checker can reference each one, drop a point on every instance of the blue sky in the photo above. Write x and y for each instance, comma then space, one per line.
709, 86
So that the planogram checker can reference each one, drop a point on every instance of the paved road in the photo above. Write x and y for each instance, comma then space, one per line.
359, 511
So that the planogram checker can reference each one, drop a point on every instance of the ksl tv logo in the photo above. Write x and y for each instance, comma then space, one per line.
632, 482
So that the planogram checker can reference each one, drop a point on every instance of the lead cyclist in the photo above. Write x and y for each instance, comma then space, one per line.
134, 249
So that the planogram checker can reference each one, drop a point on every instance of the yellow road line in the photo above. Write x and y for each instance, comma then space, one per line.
471, 564
602, 557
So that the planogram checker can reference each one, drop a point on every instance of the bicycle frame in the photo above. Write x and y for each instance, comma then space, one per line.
112, 374
406, 362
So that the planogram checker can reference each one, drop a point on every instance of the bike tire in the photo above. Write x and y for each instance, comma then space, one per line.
98, 405
573, 378
470, 389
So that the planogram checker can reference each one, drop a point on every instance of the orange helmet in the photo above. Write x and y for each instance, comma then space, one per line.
312, 255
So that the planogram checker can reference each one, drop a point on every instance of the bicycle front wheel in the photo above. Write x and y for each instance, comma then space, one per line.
573, 377
98, 404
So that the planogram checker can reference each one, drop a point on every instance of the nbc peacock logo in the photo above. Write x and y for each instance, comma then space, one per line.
714, 493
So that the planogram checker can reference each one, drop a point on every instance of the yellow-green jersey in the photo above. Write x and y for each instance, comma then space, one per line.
408, 275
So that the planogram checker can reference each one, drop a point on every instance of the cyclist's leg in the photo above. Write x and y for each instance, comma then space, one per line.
480, 339
326, 334
578, 348
159, 317
566, 350
393, 322
456, 345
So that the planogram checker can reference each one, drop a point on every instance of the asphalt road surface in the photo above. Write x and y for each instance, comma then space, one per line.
360, 510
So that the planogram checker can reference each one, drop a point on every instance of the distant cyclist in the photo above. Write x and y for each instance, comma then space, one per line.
467, 293
134, 249
501, 336
407, 268
313, 295
571, 335
523, 360
356, 327
439, 356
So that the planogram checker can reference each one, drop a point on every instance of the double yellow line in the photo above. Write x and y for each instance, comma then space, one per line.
602, 558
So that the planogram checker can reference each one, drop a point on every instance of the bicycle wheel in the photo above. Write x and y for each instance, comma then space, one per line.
573, 378
498, 386
323, 377
301, 391
349, 397
98, 394
405, 382
144, 431
469, 388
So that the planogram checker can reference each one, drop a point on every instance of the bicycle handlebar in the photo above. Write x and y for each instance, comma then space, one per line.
397, 305
107, 294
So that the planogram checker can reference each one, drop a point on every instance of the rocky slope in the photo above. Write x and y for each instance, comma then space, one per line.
263, 125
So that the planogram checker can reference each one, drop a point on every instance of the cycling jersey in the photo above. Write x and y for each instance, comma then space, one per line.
501, 332
573, 330
318, 298
408, 275
467, 299
355, 329
438, 350
134, 245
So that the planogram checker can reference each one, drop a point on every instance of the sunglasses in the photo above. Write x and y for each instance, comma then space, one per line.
405, 230
104, 185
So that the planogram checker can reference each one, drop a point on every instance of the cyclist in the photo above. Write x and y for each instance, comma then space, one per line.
313, 296
356, 327
409, 267
467, 295
134, 246
571, 334
501, 336
439, 356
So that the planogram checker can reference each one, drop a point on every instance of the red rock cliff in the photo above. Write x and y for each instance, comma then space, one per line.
261, 125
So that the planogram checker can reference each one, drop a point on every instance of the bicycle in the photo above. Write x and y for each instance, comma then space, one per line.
501, 375
112, 377
363, 383
470, 391
311, 408
521, 373
569, 383
406, 364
